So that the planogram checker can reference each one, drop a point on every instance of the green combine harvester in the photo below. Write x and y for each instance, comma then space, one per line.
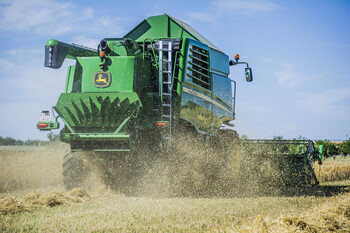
134, 99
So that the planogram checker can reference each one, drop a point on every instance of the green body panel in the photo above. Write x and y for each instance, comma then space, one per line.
320, 153
122, 74
128, 74
73, 80
98, 114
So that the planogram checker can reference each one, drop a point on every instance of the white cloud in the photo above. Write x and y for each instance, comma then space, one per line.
20, 52
238, 7
246, 6
333, 102
86, 41
25, 15
203, 17
52, 18
289, 76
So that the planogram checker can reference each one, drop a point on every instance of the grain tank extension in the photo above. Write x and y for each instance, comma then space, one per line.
139, 93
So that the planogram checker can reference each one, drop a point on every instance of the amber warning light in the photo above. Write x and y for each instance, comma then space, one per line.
161, 124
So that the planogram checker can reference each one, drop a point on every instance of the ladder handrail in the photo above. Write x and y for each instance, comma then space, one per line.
175, 63
166, 80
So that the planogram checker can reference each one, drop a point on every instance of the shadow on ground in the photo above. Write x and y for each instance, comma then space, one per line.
317, 191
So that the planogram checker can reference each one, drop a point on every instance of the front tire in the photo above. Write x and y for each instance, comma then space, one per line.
75, 170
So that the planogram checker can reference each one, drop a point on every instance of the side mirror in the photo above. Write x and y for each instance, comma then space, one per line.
248, 74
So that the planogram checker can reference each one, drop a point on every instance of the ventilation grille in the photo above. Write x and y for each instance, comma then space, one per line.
198, 66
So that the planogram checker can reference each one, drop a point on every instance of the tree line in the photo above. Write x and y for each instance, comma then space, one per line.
334, 148
329, 148
8, 141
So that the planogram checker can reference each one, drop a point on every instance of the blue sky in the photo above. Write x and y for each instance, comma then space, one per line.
299, 51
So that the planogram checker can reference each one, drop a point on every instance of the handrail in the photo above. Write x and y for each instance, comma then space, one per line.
234, 100
144, 48
175, 63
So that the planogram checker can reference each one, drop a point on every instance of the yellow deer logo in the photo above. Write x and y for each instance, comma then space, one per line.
101, 80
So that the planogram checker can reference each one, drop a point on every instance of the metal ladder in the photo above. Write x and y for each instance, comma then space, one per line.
165, 84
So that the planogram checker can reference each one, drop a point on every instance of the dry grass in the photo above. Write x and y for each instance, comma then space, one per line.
25, 210
35, 199
334, 170
330, 216
112, 213
23, 168
109, 212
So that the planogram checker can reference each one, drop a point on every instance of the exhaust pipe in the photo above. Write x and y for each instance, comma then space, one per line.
104, 46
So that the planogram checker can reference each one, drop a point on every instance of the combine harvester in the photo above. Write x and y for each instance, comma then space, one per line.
137, 99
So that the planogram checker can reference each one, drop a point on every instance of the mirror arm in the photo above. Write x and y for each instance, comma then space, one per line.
238, 63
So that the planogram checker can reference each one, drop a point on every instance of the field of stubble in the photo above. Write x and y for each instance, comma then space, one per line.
32, 198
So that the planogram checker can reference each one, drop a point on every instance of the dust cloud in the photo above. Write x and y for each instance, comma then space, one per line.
23, 169
192, 167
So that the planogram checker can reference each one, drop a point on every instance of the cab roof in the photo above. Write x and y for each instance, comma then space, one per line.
166, 26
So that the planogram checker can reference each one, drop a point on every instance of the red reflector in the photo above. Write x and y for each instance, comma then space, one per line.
160, 124
42, 125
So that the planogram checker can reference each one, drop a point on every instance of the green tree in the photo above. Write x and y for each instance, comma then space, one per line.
53, 137
7, 141
346, 147
278, 137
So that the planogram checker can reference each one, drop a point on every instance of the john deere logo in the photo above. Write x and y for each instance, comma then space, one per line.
102, 79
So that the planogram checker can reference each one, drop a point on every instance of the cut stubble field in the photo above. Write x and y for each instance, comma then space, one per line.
32, 198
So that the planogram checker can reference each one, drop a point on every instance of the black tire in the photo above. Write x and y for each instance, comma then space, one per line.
114, 169
74, 170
